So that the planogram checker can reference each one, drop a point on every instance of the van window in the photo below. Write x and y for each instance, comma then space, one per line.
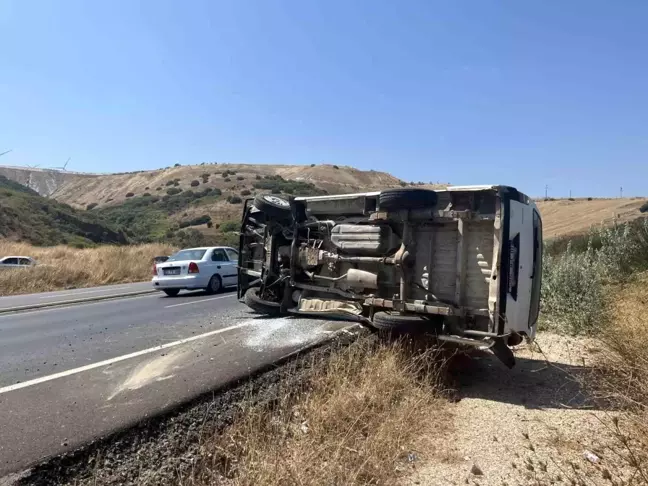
536, 276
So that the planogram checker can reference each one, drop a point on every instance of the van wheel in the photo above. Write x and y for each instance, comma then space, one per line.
396, 323
260, 306
273, 206
172, 292
408, 198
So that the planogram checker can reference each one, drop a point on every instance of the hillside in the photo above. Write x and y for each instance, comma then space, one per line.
159, 204
80, 189
563, 217
27, 216
186, 205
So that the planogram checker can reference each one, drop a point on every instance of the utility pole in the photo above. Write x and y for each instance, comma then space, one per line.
621, 191
570, 194
546, 191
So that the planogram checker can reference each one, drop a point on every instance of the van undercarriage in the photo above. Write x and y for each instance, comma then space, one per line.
400, 260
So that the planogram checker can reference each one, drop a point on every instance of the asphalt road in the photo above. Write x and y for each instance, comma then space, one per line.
71, 374
72, 294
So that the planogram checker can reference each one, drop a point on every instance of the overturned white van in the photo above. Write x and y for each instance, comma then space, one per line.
463, 263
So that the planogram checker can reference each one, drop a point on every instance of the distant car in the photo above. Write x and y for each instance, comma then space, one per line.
208, 268
17, 262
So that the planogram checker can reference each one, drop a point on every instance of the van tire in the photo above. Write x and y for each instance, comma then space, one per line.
409, 198
273, 206
260, 306
400, 323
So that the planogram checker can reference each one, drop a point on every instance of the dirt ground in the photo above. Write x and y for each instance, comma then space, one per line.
530, 425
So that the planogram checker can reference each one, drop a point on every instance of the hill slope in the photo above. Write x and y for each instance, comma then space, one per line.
563, 217
27, 216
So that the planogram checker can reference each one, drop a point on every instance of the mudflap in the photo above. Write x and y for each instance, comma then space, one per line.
503, 352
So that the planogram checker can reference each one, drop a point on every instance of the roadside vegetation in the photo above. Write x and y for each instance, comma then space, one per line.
348, 420
64, 267
27, 216
597, 285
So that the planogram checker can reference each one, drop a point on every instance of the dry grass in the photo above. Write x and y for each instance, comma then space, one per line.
621, 376
356, 418
64, 267
563, 217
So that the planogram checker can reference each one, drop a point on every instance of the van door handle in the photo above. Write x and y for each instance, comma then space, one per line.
218, 267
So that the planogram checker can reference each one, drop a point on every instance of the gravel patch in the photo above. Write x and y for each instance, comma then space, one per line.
530, 425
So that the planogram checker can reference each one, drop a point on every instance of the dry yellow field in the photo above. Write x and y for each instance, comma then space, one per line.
563, 217
63, 267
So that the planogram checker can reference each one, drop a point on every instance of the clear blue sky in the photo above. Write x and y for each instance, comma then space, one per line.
525, 93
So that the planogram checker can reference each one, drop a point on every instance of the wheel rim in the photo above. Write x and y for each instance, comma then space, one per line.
215, 284
276, 201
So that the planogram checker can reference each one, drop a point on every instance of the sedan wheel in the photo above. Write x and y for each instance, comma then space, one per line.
172, 292
214, 285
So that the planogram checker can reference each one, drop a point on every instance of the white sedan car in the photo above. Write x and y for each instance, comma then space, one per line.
209, 268
17, 262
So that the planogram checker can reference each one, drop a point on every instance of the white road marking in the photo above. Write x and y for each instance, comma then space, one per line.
80, 292
106, 362
198, 301
54, 308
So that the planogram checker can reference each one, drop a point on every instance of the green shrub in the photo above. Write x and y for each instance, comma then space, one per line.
335, 167
227, 179
146, 194
234, 200
572, 292
91, 206
231, 225
258, 177
173, 191
312, 165
158, 188
194, 183
277, 185
130, 194
576, 269
169, 183
225, 173
644, 207
245, 192
176, 165
240, 178
204, 219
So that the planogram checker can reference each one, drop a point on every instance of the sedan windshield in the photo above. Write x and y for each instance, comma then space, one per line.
187, 255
